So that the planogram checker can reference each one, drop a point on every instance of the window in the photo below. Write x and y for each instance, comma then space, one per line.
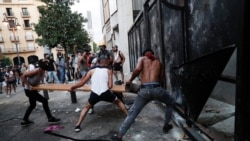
31, 46
9, 12
25, 12
15, 47
29, 36
113, 6
2, 48
26, 23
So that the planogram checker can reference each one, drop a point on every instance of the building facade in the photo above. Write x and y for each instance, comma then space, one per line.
117, 19
17, 37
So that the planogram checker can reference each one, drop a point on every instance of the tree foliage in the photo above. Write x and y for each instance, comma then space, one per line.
6, 61
59, 25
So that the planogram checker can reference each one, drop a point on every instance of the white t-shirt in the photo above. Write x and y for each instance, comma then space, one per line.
31, 67
9, 74
99, 81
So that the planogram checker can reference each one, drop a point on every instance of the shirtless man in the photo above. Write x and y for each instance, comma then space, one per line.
101, 78
150, 70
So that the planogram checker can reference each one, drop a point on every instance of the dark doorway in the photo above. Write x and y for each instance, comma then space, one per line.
15, 60
32, 59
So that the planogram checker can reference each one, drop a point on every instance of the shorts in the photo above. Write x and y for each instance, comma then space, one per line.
118, 66
107, 96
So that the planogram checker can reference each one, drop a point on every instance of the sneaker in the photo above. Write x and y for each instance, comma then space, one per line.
167, 127
77, 128
8, 95
26, 122
91, 111
53, 119
116, 137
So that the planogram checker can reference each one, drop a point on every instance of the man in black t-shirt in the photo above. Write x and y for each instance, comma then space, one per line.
104, 53
52, 71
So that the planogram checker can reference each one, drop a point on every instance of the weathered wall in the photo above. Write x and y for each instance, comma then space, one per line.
183, 31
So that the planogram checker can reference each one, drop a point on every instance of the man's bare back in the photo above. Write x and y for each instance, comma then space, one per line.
151, 70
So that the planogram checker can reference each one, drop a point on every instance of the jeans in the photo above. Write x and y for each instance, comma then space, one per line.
83, 73
144, 96
33, 97
52, 75
61, 75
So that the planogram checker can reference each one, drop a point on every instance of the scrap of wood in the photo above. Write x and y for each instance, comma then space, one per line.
65, 87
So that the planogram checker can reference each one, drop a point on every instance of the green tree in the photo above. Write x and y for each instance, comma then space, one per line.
59, 25
6, 61
95, 47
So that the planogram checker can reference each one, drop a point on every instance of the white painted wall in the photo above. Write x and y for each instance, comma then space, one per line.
125, 20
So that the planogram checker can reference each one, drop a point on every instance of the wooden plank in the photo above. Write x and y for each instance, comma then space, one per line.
65, 87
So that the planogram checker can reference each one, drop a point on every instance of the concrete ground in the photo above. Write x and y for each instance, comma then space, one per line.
98, 126
105, 121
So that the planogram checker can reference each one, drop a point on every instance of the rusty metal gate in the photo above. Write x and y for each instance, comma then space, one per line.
193, 39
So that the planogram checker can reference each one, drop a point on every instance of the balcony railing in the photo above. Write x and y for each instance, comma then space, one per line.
11, 27
1, 40
14, 39
20, 49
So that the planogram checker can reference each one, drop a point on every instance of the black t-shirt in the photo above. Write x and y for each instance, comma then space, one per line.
51, 65
2, 76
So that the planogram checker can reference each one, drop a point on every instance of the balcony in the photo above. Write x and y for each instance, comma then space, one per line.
1, 40
29, 37
14, 39
6, 51
11, 27
25, 14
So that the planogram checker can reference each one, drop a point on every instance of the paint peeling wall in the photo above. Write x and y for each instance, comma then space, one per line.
182, 31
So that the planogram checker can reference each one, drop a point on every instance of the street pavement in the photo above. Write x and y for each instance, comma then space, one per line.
105, 121
100, 125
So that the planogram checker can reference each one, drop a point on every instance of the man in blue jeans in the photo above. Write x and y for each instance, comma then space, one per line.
151, 73
61, 66
52, 69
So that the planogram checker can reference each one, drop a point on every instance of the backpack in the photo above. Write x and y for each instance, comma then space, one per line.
105, 54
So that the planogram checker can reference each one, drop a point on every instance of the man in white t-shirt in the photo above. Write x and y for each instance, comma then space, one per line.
101, 80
